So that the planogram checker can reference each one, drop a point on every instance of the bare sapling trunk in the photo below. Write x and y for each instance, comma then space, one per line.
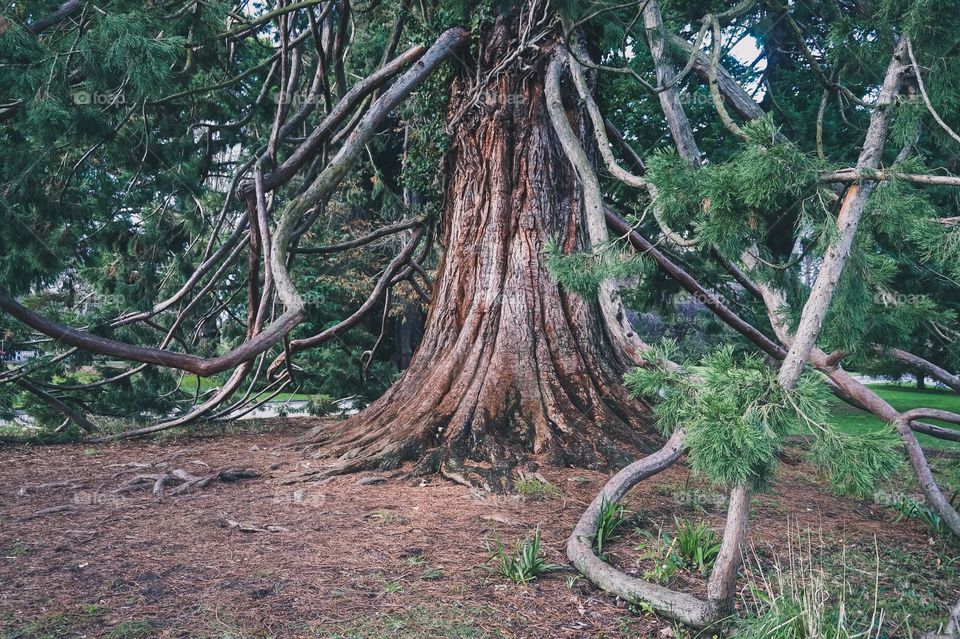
721, 585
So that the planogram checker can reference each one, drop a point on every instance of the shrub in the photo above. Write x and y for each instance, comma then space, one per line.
612, 516
697, 544
524, 563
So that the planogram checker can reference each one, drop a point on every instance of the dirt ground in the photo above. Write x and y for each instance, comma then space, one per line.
401, 558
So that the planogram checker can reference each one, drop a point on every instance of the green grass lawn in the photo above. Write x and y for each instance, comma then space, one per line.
853, 420
189, 388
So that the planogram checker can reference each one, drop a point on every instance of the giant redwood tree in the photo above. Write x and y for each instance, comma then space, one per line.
205, 204
510, 363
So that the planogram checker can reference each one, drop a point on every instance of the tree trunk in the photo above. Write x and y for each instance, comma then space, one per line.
407, 334
510, 366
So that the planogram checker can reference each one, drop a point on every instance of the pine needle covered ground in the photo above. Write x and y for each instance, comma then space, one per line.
256, 559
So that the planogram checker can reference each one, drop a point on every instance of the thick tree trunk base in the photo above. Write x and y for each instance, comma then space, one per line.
510, 366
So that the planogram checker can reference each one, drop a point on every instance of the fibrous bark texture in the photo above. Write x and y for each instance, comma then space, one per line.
510, 365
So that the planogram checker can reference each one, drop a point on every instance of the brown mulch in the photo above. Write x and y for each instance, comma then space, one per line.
256, 558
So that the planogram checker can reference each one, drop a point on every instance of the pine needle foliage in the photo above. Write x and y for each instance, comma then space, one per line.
582, 272
737, 418
728, 202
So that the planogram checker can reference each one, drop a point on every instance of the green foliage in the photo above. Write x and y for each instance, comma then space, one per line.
524, 563
732, 203
737, 418
735, 414
320, 405
611, 517
908, 508
661, 550
697, 544
534, 488
582, 273
693, 545
854, 463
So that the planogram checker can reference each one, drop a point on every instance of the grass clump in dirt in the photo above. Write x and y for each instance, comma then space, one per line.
533, 488
612, 516
524, 563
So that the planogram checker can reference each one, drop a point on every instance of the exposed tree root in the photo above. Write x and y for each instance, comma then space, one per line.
952, 628
184, 481
26, 491
680, 606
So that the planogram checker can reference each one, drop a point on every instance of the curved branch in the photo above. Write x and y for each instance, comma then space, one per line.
676, 605
924, 366
378, 292
360, 241
318, 191
183, 361
928, 484
611, 305
926, 98
59, 405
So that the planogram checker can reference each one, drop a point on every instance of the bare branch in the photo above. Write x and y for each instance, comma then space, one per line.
926, 98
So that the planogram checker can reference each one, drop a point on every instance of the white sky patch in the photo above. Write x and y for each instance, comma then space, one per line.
746, 51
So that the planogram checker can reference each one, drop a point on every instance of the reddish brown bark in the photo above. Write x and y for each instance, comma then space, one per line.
510, 365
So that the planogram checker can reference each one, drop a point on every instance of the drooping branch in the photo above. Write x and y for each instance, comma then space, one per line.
183, 361
57, 404
701, 294
318, 191
722, 584
926, 98
611, 305
599, 129
64, 11
923, 365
